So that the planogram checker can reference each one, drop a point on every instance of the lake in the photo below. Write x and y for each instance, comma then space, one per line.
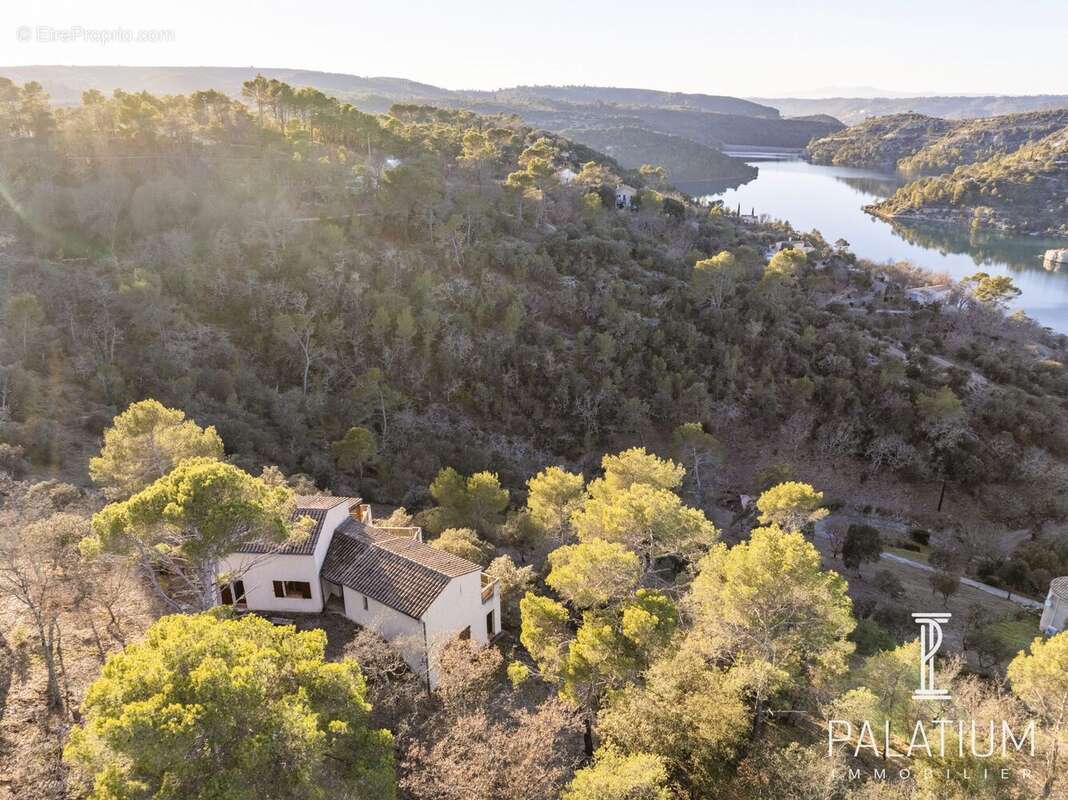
830, 199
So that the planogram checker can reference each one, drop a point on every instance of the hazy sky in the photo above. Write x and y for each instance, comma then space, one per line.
739, 48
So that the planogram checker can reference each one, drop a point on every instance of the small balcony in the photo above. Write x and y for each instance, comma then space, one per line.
489, 588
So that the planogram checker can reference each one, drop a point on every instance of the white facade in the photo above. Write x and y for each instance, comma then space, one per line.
929, 295
1055, 612
258, 573
403, 632
566, 175
625, 195
795, 244
458, 609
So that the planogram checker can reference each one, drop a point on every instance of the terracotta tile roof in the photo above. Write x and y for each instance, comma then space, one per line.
397, 571
315, 506
391, 579
430, 557
1059, 588
344, 553
324, 502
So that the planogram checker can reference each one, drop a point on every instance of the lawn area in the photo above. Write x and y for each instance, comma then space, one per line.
1015, 634
912, 555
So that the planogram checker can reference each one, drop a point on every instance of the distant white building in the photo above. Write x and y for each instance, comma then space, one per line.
929, 295
625, 196
794, 244
1055, 613
566, 175
386, 579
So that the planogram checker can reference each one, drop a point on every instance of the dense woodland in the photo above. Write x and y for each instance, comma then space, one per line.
981, 139
683, 159
1022, 191
205, 298
1006, 173
879, 142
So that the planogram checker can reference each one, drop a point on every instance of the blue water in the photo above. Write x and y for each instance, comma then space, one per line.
830, 200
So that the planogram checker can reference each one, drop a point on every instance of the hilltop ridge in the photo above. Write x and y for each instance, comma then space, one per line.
664, 118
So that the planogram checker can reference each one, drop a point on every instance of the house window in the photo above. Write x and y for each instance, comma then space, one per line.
365, 602
289, 589
234, 594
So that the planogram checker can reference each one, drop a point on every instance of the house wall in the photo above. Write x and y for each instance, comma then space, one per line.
1055, 614
404, 632
259, 571
457, 607
334, 517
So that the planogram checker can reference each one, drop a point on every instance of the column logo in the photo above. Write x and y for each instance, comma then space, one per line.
930, 642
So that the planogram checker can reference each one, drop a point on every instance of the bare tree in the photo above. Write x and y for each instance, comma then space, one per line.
37, 546
836, 538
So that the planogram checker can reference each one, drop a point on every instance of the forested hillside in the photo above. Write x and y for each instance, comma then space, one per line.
292, 268
879, 143
918, 145
980, 139
210, 305
1025, 191
684, 159
707, 120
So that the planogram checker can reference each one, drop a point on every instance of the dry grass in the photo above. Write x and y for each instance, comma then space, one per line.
920, 597
31, 736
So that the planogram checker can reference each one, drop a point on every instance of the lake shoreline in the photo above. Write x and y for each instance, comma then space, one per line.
834, 201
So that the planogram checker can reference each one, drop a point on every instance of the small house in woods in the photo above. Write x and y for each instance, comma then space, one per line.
789, 244
1055, 613
625, 196
929, 295
566, 175
386, 579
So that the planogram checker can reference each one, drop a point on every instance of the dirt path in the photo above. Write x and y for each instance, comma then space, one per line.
900, 526
1026, 602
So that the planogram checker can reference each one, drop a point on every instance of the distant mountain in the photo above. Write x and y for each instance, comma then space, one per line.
585, 95
65, 84
667, 118
879, 143
683, 159
852, 110
846, 91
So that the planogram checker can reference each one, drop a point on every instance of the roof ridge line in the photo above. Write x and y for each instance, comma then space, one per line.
412, 560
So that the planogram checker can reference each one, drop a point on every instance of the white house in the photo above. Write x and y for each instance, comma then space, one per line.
795, 244
625, 196
929, 295
386, 579
1055, 613
566, 175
